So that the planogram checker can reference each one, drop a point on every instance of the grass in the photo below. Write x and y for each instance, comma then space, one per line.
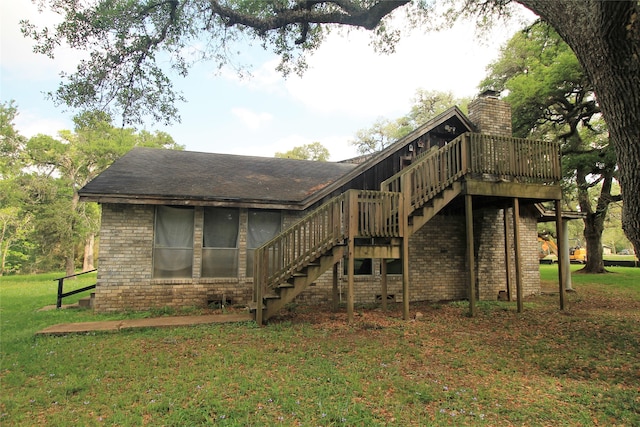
542, 367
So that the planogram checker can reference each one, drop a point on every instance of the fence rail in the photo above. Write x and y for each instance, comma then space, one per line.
62, 294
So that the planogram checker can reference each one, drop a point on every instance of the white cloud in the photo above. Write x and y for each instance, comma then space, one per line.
338, 147
30, 123
347, 77
250, 118
17, 51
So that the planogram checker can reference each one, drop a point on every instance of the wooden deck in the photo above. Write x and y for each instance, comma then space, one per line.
470, 165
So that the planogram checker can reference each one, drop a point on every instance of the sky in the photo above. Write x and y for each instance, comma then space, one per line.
347, 87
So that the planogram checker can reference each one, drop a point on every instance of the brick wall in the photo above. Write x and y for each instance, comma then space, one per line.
125, 277
438, 267
491, 115
491, 270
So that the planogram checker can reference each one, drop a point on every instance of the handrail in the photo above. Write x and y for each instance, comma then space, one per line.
61, 294
285, 254
355, 213
431, 173
523, 160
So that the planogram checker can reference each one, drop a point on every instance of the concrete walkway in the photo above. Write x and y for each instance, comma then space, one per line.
155, 322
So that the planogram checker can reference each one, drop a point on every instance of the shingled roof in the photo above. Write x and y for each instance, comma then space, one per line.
151, 175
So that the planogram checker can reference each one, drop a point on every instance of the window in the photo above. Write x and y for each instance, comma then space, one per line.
220, 242
173, 242
262, 226
363, 266
394, 266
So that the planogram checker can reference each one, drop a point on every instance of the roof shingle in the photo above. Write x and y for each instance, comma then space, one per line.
169, 174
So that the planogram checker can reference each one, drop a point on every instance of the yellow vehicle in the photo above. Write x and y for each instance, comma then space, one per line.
578, 254
548, 247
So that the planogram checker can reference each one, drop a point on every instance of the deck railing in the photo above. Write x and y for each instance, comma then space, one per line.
522, 160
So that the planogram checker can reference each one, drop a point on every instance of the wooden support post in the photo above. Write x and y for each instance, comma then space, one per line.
353, 231
350, 279
334, 290
384, 291
565, 256
406, 209
516, 238
507, 252
468, 209
259, 301
561, 258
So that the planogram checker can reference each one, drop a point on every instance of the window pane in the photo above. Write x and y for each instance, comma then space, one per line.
174, 227
221, 228
363, 266
219, 262
173, 242
394, 266
169, 263
220, 242
262, 226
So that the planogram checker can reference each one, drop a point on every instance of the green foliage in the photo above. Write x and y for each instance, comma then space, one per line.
43, 225
384, 132
544, 81
131, 43
553, 98
314, 151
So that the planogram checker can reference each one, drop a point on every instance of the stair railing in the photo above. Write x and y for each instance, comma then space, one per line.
355, 213
284, 255
431, 173
524, 160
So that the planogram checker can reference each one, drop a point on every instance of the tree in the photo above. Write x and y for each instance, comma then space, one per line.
552, 98
14, 221
426, 105
314, 151
67, 164
381, 134
127, 38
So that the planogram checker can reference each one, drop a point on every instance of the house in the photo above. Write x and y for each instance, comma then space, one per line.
453, 204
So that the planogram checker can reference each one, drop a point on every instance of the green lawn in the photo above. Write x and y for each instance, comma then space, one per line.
543, 367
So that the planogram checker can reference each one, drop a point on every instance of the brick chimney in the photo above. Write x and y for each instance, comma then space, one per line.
491, 114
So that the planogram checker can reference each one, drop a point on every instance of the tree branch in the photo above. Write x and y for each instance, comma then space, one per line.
352, 14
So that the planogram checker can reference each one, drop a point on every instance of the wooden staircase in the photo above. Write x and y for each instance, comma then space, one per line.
298, 256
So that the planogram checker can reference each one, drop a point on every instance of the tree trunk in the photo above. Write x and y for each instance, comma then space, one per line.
70, 265
605, 36
593, 228
87, 263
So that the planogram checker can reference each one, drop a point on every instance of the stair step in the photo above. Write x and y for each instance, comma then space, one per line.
85, 302
252, 306
271, 296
